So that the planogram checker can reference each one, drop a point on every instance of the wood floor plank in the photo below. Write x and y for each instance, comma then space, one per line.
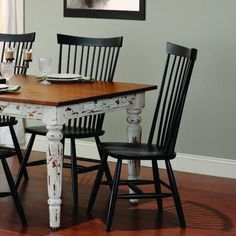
209, 205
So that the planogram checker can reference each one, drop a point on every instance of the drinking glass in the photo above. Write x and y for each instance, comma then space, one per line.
7, 70
45, 67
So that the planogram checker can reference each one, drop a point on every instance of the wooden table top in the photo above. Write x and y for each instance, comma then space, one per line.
33, 92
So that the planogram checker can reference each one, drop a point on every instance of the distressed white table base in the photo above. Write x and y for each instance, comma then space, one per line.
55, 117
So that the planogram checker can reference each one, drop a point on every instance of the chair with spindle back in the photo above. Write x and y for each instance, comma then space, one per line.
19, 42
164, 129
91, 57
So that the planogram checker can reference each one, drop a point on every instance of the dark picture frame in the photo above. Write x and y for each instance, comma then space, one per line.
106, 13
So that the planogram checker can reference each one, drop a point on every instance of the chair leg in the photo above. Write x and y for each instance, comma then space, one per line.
74, 172
113, 196
25, 159
18, 150
97, 183
156, 178
176, 197
106, 167
14, 193
63, 145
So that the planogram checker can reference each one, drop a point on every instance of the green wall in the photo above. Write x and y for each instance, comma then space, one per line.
209, 121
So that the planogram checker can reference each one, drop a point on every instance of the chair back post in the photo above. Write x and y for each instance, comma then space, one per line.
154, 121
179, 110
173, 90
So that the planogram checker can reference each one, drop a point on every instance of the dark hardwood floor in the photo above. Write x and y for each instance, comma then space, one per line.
209, 204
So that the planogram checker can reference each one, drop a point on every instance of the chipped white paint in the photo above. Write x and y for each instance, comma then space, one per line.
22, 110
54, 156
134, 136
100, 106
55, 117
33, 111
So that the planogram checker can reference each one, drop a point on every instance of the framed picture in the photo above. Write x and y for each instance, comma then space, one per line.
113, 9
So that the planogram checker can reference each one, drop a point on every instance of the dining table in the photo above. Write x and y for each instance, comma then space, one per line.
55, 103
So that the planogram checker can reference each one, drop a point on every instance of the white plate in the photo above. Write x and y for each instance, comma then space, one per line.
72, 80
63, 76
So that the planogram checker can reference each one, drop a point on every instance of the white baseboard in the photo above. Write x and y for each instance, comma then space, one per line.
184, 162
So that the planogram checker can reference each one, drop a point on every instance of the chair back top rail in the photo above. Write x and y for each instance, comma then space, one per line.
86, 41
28, 37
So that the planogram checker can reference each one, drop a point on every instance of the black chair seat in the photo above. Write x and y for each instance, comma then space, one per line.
68, 132
8, 122
134, 151
7, 152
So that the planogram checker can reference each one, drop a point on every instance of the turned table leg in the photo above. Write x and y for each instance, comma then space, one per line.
134, 136
54, 154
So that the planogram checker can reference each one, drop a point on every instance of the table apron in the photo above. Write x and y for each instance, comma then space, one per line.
22, 110
52, 115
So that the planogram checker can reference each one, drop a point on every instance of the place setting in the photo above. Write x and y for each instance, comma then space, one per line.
68, 78
45, 65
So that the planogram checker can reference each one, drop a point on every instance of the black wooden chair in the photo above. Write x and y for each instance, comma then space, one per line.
164, 128
19, 42
6, 152
93, 57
